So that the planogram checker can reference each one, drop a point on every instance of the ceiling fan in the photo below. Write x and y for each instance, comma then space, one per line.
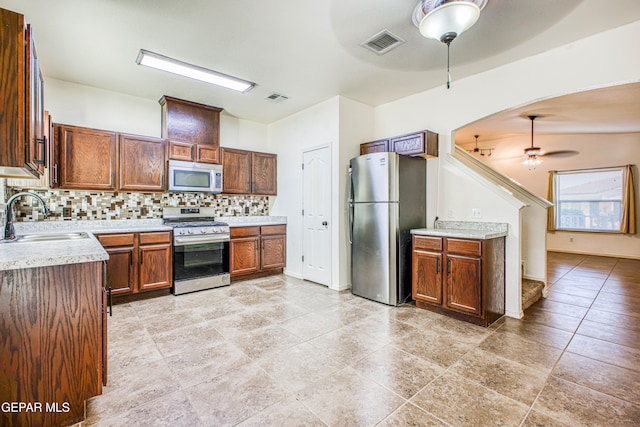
533, 153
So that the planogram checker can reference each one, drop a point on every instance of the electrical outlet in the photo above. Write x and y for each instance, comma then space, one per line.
144, 211
450, 213
476, 213
66, 212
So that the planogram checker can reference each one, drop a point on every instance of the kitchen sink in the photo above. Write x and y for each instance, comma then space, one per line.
47, 237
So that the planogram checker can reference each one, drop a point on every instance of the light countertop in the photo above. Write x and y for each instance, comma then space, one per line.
246, 221
465, 230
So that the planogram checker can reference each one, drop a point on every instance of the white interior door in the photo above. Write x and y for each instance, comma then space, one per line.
316, 202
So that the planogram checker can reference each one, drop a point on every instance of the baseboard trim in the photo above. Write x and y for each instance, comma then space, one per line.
292, 274
593, 254
514, 314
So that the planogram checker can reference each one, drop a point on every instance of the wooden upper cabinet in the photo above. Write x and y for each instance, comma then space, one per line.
189, 152
181, 151
236, 166
186, 121
142, 163
418, 144
87, 158
264, 174
23, 149
379, 146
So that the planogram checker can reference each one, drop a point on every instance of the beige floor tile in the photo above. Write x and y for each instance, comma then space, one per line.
566, 309
299, 366
411, 415
536, 332
569, 299
577, 406
239, 324
461, 402
600, 376
187, 338
397, 370
343, 344
509, 378
280, 312
529, 353
311, 325
536, 419
435, 347
171, 410
289, 412
346, 398
614, 334
461, 331
555, 320
130, 354
615, 354
241, 393
614, 319
265, 340
129, 389
194, 366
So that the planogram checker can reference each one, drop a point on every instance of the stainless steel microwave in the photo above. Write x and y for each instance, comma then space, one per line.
191, 176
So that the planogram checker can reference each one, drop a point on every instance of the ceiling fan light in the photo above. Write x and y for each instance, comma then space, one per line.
532, 151
454, 17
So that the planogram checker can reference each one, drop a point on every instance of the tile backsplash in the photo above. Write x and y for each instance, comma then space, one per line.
99, 205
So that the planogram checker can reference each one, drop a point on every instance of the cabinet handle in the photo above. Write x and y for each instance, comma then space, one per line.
110, 297
437, 265
42, 141
448, 266
55, 173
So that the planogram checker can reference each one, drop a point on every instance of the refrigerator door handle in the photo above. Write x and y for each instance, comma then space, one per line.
350, 206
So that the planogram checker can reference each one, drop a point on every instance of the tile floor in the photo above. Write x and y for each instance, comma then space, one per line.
283, 352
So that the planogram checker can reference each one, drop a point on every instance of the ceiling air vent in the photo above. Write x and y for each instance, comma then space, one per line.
382, 42
277, 97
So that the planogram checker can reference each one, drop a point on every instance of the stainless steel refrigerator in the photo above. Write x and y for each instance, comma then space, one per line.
387, 198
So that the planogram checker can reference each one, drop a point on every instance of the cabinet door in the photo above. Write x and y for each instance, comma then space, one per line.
243, 257
36, 154
421, 144
88, 158
463, 284
181, 151
264, 174
155, 267
207, 154
427, 277
237, 171
142, 163
120, 270
380, 146
273, 251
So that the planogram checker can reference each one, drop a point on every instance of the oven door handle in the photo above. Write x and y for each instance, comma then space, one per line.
183, 241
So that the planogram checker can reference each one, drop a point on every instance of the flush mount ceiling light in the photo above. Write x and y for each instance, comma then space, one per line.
174, 66
532, 153
445, 20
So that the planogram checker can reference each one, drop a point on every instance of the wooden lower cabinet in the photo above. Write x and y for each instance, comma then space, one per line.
463, 278
257, 250
52, 347
138, 262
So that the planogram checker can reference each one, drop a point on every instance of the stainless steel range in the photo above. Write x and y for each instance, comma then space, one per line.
200, 249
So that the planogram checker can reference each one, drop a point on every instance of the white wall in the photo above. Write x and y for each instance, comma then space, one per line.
594, 150
289, 138
79, 105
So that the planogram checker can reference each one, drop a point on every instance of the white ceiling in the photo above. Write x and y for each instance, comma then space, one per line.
307, 50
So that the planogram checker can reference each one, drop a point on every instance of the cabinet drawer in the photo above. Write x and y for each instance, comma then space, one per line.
113, 240
155, 237
273, 229
427, 243
244, 231
464, 247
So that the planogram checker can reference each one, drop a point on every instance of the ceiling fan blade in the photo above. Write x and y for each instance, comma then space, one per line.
560, 153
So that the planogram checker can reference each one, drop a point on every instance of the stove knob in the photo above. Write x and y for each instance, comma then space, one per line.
203, 231
190, 231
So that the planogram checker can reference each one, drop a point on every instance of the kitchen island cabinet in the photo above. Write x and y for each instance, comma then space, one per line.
459, 277
257, 251
53, 343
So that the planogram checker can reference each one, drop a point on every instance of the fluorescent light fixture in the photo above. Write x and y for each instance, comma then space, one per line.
170, 65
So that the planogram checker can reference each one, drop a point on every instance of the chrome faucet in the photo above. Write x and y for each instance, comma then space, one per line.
9, 232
